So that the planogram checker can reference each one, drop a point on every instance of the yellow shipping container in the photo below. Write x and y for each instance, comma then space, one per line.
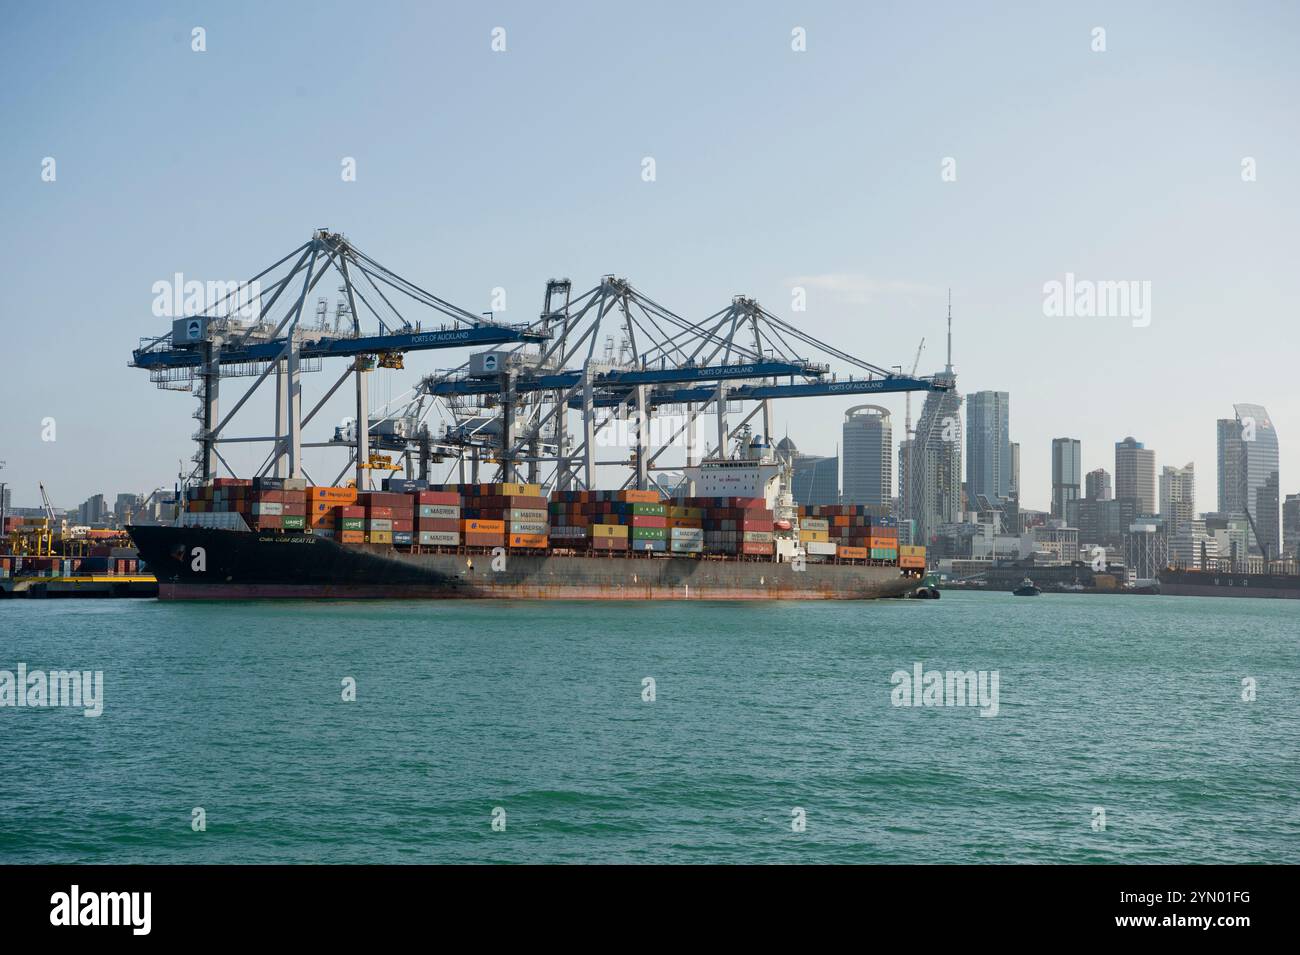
609, 530
816, 537
379, 537
911, 550
519, 490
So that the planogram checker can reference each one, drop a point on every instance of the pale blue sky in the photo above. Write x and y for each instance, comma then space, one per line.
479, 169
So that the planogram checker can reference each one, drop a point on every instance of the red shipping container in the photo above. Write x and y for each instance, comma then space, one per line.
647, 520
403, 527
380, 512
437, 497
437, 524
352, 512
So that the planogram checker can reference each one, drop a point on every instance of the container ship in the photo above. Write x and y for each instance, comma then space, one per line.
1278, 581
280, 538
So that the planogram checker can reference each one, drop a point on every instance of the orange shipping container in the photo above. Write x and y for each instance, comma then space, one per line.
853, 553
352, 537
916, 563
527, 540
483, 527
840, 520
640, 497
339, 495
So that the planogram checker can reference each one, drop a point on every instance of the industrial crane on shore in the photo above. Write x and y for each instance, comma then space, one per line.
509, 405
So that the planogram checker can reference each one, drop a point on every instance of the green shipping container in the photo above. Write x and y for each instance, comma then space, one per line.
649, 533
293, 522
877, 553
648, 510
352, 524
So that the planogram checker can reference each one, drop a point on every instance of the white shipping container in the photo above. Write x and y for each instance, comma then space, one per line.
268, 509
814, 523
440, 511
820, 548
379, 524
439, 538
528, 527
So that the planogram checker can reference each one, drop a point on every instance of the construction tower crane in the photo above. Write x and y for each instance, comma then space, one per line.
907, 434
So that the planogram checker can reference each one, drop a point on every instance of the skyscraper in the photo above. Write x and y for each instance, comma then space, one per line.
1178, 497
1015, 469
988, 446
1258, 477
1135, 474
934, 456
1231, 489
868, 455
1291, 526
1067, 474
1096, 485
814, 479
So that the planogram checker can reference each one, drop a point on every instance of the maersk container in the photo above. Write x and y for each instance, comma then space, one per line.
687, 546
438, 538
529, 514
529, 527
442, 511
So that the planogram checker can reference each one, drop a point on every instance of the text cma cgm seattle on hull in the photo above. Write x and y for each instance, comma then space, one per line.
736, 535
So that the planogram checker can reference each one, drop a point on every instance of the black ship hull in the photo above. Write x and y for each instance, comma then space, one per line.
201, 563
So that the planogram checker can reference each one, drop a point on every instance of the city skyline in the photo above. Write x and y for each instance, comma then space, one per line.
510, 216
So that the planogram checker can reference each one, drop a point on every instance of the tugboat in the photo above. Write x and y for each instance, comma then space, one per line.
1027, 588
928, 589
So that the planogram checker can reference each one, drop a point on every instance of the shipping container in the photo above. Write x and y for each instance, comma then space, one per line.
438, 538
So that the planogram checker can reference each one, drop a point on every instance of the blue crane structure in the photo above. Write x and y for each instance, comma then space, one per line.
510, 402
741, 353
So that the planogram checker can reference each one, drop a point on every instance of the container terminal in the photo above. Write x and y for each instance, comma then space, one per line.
523, 434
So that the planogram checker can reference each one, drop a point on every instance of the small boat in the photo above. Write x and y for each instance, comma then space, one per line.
1027, 588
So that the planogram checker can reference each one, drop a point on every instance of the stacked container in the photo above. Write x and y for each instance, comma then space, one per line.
609, 520
437, 518
512, 515
323, 507
735, 525
390, 517
858, 533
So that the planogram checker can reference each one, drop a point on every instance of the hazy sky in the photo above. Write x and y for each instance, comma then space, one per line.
775, 168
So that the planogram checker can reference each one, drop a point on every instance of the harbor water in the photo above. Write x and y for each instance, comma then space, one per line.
1123, 730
